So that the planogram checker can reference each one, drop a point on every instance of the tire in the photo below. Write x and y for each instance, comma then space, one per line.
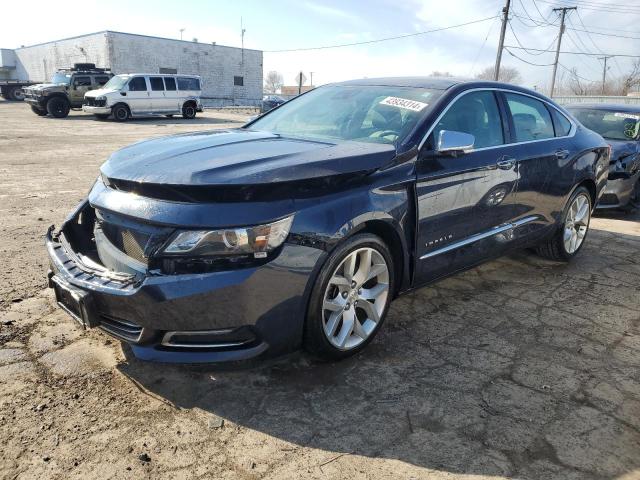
341, 319
38, 111
16, 93
101, 116
574, 220
120, 113
58, 107
189, 111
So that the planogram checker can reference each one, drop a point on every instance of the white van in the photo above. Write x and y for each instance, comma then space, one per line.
136, 94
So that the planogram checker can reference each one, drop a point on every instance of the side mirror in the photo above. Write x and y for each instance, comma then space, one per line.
450, 141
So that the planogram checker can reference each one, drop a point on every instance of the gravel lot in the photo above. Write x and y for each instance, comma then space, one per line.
521, 368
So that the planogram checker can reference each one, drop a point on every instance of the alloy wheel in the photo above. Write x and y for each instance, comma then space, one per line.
355, 298
577, 223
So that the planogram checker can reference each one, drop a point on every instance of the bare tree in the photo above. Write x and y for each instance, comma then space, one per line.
273, 82
632, 79
507, 74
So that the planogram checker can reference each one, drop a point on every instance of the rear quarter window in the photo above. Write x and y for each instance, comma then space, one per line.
561, 123
188, 83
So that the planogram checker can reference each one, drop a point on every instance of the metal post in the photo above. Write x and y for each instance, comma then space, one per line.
604, 70
555, 63
503, 30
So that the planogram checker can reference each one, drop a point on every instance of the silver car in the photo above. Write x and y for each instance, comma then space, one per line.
620, 127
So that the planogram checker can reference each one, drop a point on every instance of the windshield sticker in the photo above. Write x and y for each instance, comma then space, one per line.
627, 115
404, 103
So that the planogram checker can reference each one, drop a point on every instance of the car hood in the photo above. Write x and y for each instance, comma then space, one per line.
100, 91
622, 148
47, 86
240, 157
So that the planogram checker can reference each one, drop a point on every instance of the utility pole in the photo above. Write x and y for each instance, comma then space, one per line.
503, 30
311, 78
555, 63
242, 32
181, 32
604, 70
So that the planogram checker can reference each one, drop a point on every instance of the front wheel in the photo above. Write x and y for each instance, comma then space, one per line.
350, 298
38, 111
189, 111
58, 107
569, 238
120, 113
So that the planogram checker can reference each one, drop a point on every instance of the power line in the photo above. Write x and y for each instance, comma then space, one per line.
525, 48
526, 61
546, 19
622, 55
575, 74
602, 8
590, 31
482, 47
397, 37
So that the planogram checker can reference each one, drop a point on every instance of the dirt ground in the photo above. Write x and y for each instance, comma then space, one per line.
521, 368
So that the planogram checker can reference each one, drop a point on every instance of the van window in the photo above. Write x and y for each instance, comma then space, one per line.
170, 83
81, 81
101, 80
156, 83
188, 83
137, 84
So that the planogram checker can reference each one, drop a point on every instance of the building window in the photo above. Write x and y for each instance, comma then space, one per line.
238, 81
168, 70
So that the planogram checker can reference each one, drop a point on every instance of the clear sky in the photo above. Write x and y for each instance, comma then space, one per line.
290, 24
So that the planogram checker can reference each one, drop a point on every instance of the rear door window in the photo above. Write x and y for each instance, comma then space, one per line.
531, 119
137, 84
81, 81
188, 83
170, 83
156, 83
101, 80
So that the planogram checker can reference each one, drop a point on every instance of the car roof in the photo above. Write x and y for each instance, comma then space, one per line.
159, 75
615, 107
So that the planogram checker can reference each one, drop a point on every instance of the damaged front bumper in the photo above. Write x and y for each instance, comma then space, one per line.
619, 189
187, 318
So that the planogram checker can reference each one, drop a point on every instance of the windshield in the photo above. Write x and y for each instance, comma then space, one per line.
610, 124
117, 82
61, 78
379, 114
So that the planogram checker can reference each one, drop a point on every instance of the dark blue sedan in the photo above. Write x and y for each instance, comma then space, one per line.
620, 127
301, 227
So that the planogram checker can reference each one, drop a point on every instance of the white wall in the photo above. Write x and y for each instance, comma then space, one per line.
216, 64
39, 62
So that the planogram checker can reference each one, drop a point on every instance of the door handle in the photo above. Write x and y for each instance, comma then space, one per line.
562, 154
506, 163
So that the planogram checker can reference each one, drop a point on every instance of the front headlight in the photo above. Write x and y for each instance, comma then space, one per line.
257, 241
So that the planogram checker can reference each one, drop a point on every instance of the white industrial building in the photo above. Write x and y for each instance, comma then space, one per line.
230, 75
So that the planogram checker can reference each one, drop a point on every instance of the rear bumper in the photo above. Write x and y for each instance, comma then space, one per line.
244, 312
618, 192
96, 110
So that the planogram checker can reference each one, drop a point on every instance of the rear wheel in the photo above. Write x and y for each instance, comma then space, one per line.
16, 93
38, 111
569, 238
189, 111
58, 107
350, 298
120, 113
